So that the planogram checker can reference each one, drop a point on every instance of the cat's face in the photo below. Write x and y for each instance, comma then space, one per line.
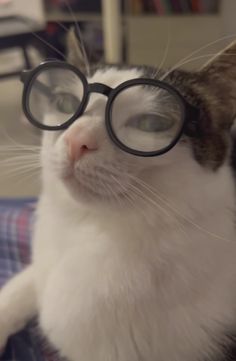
91, 168
83, 157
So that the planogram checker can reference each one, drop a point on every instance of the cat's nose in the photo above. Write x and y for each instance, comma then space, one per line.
79, 143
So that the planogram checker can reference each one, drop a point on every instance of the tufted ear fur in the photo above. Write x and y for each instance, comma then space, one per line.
220, 76
76, 54
216, 86
213, 91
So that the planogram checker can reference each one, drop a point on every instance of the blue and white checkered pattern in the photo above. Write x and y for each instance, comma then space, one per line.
16, 223
16, 220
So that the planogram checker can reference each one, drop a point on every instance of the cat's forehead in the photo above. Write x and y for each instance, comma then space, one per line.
114, 76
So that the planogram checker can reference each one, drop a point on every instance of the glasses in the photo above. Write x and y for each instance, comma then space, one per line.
144, 117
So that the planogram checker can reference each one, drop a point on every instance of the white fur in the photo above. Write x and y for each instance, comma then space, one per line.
146, 279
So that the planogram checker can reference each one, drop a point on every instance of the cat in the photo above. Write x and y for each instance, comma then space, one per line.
134, 257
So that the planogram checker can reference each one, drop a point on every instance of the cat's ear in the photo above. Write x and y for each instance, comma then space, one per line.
218, 82
223, 63
216, 91
219, 77
75, 51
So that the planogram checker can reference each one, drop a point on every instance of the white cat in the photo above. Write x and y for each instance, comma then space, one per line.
134, 257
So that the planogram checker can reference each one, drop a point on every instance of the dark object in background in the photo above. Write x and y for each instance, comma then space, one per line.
163, 7
30, 345
92, 37
56, 36
84, 5
75, 5
21, 347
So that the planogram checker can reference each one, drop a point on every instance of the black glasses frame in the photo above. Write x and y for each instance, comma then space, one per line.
190, 113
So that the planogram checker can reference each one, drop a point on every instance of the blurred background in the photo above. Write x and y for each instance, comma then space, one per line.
162, 33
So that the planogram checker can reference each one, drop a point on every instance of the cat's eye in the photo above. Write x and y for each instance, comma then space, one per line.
65, 102
55, 94
150, 122
144, 117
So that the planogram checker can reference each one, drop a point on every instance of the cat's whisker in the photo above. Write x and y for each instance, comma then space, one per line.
62, 26
183, 217
166, 51
29, 128
121, 186
192, 60
151, 201
156, 205
138, 192
14, 143
18, 172
114, 195
21, 165
23, 177
18, 160
152, 190
49, 45
177, 65
34, 174
26, 177
130, 198
18, 157
26, 171
15, 179
102, 185
11, 149
165, 203
80, 42
15, 153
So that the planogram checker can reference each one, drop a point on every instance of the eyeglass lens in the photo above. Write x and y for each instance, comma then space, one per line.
150, 121
55, 95
143, 117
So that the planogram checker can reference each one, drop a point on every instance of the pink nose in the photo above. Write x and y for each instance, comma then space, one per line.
79, 143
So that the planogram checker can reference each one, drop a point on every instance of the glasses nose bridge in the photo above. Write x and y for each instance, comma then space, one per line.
99, 88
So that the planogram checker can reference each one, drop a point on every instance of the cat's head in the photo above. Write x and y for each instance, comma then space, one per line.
90, 167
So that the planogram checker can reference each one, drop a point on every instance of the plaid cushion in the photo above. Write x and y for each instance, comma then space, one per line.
16, 221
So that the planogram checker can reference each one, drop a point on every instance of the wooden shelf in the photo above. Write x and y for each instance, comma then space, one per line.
90, 17
67, 17
146, 35
172, 16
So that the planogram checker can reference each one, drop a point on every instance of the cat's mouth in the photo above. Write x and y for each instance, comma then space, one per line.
99, 183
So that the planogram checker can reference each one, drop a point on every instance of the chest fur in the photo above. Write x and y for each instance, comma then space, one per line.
157, 301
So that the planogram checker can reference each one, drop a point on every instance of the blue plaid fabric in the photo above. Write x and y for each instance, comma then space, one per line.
16, 224
16, 220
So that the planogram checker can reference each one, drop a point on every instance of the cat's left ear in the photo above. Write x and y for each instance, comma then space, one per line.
219, 75
75, 51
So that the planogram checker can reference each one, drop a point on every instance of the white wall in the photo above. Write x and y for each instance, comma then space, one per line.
32, 9
228, 11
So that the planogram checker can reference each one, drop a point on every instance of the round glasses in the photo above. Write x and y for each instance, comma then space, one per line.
144, 117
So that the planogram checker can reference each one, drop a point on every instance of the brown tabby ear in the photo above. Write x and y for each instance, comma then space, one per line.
75, 51
214, 91
224, 60
220, 76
